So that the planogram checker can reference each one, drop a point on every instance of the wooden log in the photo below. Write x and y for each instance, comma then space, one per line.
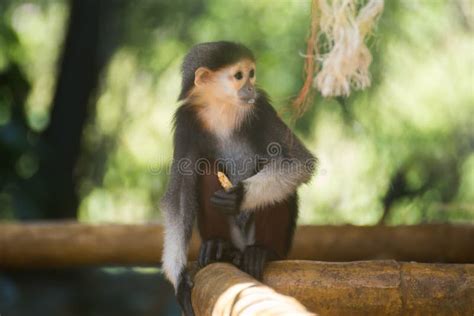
354, 288
60, 244
221, 289
449, 243
67, 244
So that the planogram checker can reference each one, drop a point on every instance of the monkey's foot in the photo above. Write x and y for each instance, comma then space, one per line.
216, 250
254, 259
183, 293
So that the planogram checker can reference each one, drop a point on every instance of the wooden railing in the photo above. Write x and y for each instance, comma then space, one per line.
56, 244
290, 287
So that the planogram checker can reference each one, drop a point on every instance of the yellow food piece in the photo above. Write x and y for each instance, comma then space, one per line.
224, 181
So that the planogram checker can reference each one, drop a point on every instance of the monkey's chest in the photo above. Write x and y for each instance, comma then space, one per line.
236, 158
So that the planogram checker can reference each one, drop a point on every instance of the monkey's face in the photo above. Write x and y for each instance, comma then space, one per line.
232, 84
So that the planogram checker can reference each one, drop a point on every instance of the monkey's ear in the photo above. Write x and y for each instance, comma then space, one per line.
202, 75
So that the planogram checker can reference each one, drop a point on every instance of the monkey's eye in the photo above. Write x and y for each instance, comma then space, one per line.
252, 73
238, 75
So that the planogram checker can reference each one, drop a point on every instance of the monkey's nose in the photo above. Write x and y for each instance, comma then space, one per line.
247, 93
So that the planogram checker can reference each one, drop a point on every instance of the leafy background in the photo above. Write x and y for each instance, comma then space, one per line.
404, 147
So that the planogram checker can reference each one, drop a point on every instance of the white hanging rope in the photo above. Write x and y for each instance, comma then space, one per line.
346, 65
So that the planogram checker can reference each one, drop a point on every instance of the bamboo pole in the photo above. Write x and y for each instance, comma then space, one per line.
354, 288
60, 244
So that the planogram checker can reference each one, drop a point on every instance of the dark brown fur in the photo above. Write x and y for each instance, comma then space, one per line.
211, 223
274, 225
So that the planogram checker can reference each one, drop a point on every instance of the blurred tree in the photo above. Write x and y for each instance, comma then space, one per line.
85, 54
15, 135
49, 191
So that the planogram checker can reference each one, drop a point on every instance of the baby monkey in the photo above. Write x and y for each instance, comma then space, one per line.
226, 124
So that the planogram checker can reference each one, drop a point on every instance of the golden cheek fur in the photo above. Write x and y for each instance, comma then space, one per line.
222, 87
225, 86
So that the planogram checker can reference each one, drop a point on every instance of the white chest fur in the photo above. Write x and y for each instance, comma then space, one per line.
223, 119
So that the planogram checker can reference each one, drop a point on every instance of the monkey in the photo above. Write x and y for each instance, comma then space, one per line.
226, 123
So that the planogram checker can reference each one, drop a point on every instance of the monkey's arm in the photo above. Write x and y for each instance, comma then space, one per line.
288, 165
179, 207
180, 203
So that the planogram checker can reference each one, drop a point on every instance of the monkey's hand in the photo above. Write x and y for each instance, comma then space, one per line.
183, 293
228, 201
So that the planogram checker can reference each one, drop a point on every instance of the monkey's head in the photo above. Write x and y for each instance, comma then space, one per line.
220, 71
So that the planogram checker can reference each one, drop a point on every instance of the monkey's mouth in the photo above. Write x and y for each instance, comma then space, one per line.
251, 101
246, 101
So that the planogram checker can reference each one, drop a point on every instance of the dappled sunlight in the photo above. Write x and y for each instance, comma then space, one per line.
424, 93
343, 189
40, 31
414, 122
421, 111
140, 117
